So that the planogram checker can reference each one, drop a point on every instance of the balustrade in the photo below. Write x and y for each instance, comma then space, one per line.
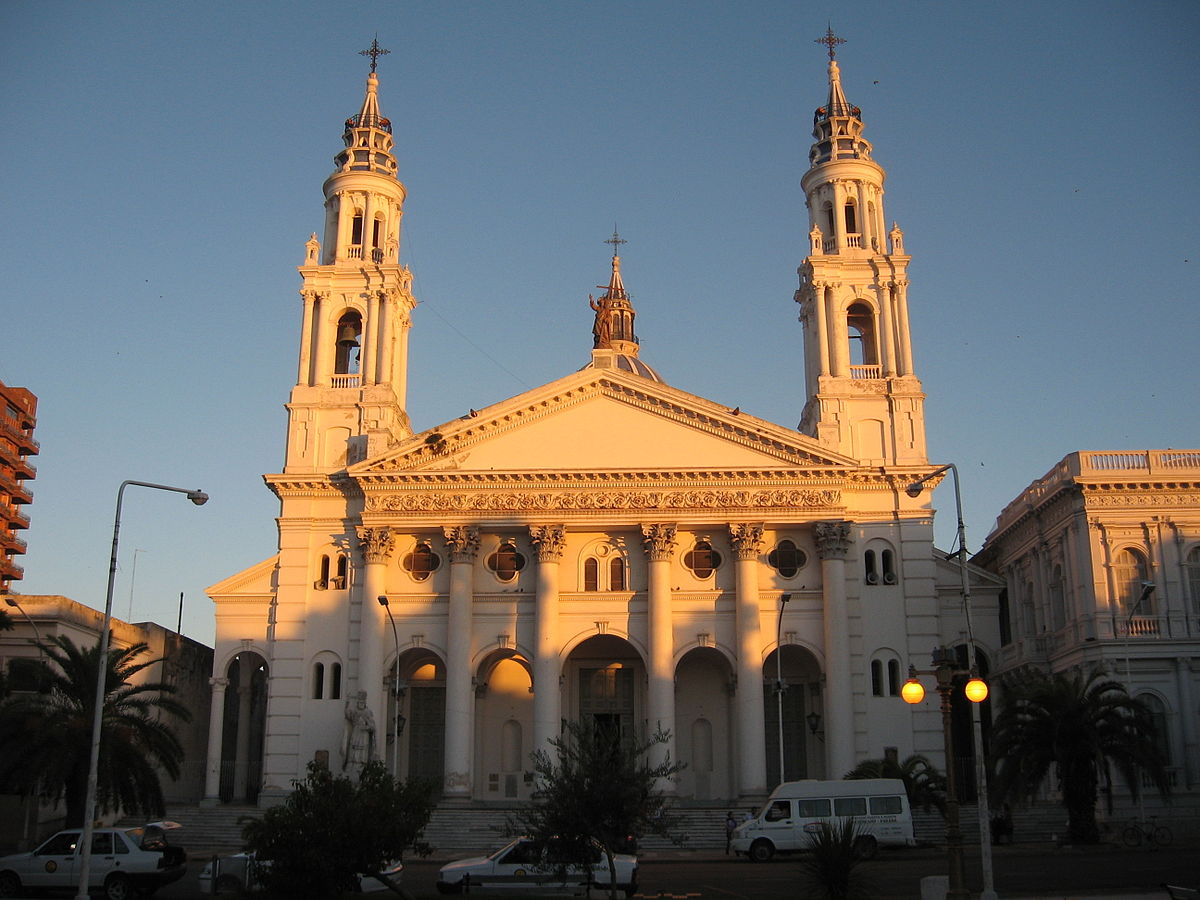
345, 381
865, 373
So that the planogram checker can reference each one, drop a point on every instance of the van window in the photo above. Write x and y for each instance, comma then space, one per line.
780, 809
813, 809
886, 806
850, 806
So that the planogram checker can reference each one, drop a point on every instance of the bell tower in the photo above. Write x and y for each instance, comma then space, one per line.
349, 400
864, 398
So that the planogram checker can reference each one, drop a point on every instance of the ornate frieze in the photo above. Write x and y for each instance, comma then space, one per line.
549, 540
462, 542
601, 500
832, 539
659, 541
377, 544
746, 538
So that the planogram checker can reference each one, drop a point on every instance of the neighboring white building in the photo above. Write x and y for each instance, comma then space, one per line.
1077, 550
606, 546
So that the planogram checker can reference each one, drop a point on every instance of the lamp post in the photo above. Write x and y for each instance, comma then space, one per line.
913, 692
779, 687
89, 803
981, 780
383, 601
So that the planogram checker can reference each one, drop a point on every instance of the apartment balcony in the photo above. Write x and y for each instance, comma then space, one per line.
16, 490
9, 570
10, 543
14, 519
24, 441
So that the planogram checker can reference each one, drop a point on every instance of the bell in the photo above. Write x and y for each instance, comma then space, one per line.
347, 335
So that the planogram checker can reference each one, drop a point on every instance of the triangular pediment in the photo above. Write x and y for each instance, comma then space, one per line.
606, 420
256, 581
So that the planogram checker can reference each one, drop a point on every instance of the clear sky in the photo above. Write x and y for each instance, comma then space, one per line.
163, 164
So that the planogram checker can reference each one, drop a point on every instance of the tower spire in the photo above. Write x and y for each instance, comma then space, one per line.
613, 342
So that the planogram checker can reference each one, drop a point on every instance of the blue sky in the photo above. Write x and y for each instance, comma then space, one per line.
163, 168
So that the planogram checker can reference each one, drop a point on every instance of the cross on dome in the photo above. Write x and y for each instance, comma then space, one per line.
830, 40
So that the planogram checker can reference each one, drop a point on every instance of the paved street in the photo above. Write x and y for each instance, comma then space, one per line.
1023, 871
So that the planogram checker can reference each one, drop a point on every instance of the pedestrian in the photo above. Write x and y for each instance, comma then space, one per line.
730, 825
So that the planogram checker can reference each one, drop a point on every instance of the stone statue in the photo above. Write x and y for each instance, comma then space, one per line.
358, 747
602, 328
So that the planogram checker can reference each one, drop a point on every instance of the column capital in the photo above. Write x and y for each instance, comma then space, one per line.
218, 684
377, 544
659, 540
462, 542
747, 539
832, 538
549, 541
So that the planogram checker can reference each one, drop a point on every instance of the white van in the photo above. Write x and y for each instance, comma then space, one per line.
879, 807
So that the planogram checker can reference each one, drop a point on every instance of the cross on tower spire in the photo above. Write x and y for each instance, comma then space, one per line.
374, 51
615, 240
830, 40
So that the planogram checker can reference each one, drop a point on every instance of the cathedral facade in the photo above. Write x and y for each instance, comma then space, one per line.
606, 547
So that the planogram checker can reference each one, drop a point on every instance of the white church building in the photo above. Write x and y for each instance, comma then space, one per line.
607, 546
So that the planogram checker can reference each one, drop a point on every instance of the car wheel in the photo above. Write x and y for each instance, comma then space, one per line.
761, 850
118, 887
865, 846
10, 884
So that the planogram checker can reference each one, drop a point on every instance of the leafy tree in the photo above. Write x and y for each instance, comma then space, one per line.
832, 869
46, 740
596, 787
923, 783
1081, 726
331, 829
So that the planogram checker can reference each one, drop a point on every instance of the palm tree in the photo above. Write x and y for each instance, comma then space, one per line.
923, 783
1083, 726
45, 740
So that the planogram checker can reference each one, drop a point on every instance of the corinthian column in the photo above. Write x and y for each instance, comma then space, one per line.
659, 542
462, 545
548, 541
377, 545
750, 738
833, 543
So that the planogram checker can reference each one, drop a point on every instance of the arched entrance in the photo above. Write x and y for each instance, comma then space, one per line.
792, 687
416, 716
704, 724
244, 724
605, 681
503, 727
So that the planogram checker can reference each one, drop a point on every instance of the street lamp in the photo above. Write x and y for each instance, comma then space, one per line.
944, 669
779, 686
383, 601
981, 781
89, 803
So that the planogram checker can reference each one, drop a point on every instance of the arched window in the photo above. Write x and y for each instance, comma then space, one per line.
591, 574
787, 559
894, 677
341, 580
702, 559
1158, 715
876, 678
506, 562
827, 216
860, 328
422, 562
851, 218
335, 681
888, 558
870, 573
616, 574
1193, 578
1129, 574
349, 330
318, 686
322, 582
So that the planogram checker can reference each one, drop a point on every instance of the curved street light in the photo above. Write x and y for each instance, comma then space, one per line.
89, 803
383, 601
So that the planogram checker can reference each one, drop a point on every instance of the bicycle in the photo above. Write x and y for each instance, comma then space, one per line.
1150, 832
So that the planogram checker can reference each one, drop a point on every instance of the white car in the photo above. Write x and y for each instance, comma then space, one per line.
239, 873
125, 863
520, 866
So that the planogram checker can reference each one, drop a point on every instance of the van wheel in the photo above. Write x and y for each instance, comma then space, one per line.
761, 850
865, 846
